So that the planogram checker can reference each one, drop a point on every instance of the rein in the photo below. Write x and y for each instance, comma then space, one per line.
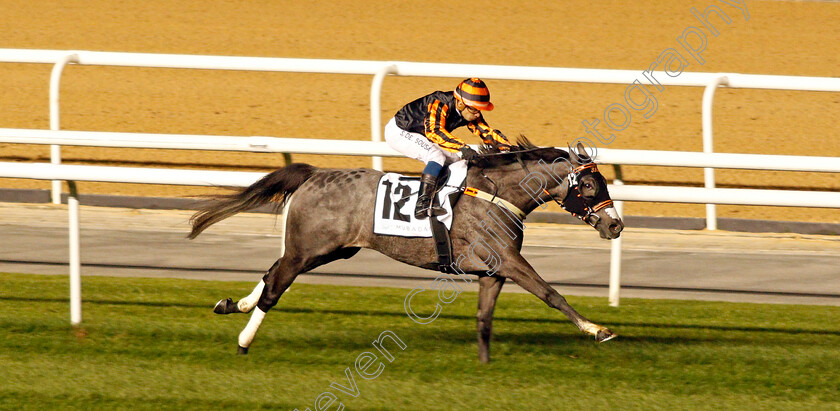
573, 202
483, 195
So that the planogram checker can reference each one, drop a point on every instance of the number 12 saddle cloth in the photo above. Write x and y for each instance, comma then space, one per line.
396, 196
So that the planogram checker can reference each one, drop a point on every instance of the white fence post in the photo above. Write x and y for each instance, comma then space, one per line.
55, 150
75, 256
615, 249
375, 109
709, 173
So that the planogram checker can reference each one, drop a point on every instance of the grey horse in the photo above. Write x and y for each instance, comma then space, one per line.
327, 214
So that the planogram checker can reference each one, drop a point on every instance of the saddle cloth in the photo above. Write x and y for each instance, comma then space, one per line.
396, 196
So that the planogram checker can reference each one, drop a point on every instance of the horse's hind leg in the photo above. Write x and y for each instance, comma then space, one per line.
265, 295
245, 305
277, 280
248, 303
489, 288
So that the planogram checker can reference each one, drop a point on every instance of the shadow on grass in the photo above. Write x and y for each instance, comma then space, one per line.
726, 328
161, 304
401, 314
571, 337
34, 399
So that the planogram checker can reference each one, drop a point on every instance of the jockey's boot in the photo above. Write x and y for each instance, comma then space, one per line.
425, 206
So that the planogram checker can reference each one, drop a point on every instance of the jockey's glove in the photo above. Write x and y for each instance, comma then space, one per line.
467, 153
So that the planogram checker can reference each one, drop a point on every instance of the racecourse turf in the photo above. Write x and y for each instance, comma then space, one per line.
156, 344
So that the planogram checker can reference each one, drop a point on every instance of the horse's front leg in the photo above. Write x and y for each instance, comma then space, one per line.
488, 292
520, 271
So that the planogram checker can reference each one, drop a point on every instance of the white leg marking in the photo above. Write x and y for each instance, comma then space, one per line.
248, 303
590, 328
246, 337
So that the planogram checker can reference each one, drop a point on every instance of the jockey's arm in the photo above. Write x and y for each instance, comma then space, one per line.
489, 135
435, 130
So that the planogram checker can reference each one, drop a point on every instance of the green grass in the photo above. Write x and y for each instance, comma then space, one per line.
155, 344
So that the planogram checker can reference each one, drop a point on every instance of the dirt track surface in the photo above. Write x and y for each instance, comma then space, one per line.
786, 38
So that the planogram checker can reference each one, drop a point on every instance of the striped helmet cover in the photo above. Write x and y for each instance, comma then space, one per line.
474, 93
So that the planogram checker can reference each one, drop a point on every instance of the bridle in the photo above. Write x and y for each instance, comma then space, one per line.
575, 203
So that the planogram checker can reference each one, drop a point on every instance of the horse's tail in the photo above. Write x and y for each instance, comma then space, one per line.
276, 186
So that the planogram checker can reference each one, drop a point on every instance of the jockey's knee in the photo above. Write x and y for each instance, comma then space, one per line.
433, 168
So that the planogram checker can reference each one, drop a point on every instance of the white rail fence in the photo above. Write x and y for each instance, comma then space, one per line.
380, 69
376, 148
618, 191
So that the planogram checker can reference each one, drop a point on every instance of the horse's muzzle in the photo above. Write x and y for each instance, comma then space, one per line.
615, 229
611, 230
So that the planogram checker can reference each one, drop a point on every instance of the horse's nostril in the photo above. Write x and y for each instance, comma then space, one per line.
615, 228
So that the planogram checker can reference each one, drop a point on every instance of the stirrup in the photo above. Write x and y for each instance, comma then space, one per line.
426, 212
436, 211
426, 207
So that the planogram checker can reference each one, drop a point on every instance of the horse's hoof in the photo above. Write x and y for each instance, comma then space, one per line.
605, 335
225, 307
242, 351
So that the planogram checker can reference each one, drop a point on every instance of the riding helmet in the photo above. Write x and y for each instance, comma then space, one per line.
474, 93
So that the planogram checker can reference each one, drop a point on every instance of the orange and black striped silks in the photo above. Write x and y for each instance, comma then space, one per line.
436, 128
487, 134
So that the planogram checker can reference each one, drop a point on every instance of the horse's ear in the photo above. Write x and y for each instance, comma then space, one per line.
572, 154
581, 152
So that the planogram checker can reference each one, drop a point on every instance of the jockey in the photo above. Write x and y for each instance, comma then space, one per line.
422, 130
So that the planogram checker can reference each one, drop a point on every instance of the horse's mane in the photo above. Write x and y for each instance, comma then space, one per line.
490, 156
